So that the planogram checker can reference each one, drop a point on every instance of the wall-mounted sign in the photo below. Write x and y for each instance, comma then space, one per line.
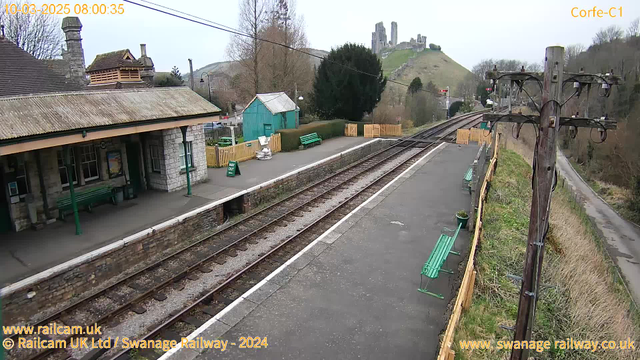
114, 163
105, 144
13, 188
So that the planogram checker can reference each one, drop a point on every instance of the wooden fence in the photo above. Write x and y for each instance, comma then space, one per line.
465, 293
463, 136
220, 156
377, 130
350, 130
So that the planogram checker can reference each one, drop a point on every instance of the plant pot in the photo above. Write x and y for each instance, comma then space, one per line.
462, 220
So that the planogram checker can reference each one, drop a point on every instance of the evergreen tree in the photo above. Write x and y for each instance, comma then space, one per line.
346, 91
415, 86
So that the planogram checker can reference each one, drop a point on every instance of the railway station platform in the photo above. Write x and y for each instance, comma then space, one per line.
352, 293
29, 252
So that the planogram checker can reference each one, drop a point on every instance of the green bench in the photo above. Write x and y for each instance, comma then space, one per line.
310, 139
466, 181
85, 198
224, 141
437, 259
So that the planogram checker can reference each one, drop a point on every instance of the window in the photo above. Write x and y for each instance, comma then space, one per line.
64, 177
189, 155
21, 179
89, 162
156, 157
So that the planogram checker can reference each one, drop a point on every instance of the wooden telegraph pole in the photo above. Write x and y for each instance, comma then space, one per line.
543, 181
547, 125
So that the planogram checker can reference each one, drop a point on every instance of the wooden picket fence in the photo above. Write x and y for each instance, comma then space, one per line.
377, 130
464, 136
350, 130
241, 152
465, 293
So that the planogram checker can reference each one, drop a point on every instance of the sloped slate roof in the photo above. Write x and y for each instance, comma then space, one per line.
21, 73
24, 116
276, 102
113, 60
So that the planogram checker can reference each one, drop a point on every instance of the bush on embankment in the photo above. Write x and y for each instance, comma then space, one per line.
586, 300
325, 129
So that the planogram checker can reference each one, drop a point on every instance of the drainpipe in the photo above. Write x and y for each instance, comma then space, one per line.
43, 188
67, 159
186, 158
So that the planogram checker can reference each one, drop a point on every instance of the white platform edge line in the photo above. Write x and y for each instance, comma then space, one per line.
275, 272
9, 289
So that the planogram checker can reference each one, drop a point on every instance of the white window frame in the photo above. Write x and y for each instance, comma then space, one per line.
60, 159
24, 177
91, 151
189, 153
155, 153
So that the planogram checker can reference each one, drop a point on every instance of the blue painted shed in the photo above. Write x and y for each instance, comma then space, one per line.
266, 114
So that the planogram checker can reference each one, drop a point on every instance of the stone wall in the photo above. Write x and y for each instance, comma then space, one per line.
96, 272
172, 142
282, 186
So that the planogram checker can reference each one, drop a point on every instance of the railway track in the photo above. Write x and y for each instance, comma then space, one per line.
176, 270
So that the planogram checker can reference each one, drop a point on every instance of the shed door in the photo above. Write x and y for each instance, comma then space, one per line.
268, 130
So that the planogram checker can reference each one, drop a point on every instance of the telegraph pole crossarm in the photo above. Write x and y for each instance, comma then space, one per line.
548, 121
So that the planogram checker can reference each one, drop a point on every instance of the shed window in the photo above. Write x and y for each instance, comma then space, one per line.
21, 179
89, 162
189, 155
64, 175
156, 157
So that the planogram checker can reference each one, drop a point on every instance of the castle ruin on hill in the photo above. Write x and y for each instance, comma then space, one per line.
379, 40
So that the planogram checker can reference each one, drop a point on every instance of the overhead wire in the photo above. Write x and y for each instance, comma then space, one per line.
218, 26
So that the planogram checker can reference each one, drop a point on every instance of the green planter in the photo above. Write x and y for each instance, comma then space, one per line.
462, 220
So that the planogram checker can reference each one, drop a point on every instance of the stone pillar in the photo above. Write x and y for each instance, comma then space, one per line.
74, 55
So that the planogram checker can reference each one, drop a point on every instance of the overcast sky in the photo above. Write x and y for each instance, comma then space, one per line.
467, 30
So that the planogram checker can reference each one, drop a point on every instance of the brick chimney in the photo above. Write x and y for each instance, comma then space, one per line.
149, 70
74, 55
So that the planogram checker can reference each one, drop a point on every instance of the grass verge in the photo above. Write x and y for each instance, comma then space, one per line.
585, 301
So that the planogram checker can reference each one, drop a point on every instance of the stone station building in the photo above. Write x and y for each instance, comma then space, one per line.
116, 138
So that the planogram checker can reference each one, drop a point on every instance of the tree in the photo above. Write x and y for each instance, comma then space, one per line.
610, 34
173, 79
349, 83
282, 67
38, 34
175, 72
467, 86
415, 86
246, 50
433, 46
634, 28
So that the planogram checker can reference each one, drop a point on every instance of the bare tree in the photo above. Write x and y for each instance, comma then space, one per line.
38, 34
609, 34
286, 67
634, 28
246, 50
571, 53
467, 86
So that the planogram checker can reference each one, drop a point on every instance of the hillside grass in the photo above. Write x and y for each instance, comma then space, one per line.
395, 59
429, 65
586, 299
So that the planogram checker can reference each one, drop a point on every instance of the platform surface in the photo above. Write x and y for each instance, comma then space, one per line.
354, 293
28, 252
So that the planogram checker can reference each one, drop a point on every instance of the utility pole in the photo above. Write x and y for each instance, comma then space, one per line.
548, 124
543, 182
191, 75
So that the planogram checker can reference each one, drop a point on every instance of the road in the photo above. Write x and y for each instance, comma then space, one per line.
623, 237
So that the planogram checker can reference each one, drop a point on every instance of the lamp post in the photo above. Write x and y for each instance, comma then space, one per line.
208, 82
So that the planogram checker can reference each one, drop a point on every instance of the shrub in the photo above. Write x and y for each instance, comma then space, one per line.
406, 124
324, 129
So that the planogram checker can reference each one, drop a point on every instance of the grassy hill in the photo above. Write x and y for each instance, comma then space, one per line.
429, 65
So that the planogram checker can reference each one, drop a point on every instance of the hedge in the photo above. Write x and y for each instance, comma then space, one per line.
325, 129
